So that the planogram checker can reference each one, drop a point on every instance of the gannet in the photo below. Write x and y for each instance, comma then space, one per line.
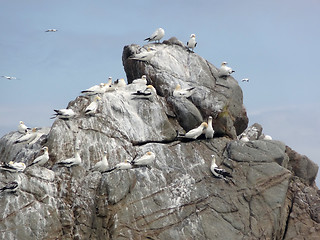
187, 92
192, 42
10, 187
123, 165
146, 159
267, 137
142, 80
145, 55
208, 132
102, 165
14, 167
225, 70
156, 36
244, 138
28, 137
95, 89
51, 30
22, 127
218, 172
93, 106
120, 83
43, 159
64, 114
196, 132
9, 78
245, 80
148, 93
76, 160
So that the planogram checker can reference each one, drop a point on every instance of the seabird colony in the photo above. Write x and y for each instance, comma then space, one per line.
30, 136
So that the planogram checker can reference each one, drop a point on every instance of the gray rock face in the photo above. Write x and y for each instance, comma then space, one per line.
177, 197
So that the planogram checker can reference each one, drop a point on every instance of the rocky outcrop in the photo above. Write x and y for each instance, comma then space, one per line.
269, 196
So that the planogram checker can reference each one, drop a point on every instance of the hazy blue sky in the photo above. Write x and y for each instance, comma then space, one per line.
274, 43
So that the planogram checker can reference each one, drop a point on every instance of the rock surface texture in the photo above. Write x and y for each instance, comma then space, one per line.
272, 194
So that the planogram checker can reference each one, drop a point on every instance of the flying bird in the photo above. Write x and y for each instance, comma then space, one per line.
224, 70
146, 159
192, 42
13, 167
28, 137
102, 165
245, 80
64, 114
10, 187
22, 128
51, 30
156, 36
9, 78
218, 172
187, 92
43, 159
209, 132
142, 80
93, 106
76, 160
144, 55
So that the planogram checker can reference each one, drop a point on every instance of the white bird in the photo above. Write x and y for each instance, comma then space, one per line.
148, 93
244, 138
120, 83
245, 80
22, 127
76, 160
28, 137
43, 159
10, 187
9, 78
64, 114
187, 92
225, 70
142, 80
95, 89
267, 137
196, 132
192, 42
93, 106
51, 30
156, 36
144, 55
209, 132
14, 167
218, 172
102, 165
146, 159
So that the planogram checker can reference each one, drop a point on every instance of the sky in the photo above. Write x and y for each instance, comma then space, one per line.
274, 43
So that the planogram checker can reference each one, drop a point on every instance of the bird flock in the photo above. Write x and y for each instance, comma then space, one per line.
30, 136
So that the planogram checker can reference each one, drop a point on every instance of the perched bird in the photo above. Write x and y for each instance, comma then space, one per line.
14, 167
267, 137
192, 42
94, 89
76, 160
244, 138
187, 92
124, 165
9, 78
146, 159
120, 83
196, 132
208, 132
102, 165
156, 36
224, 70
22, 127
93, 106
144, 55
142, 80
10, 187
43, 159
51, 30
28, 137
148, 93
64, 114
245, 80
218, 172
